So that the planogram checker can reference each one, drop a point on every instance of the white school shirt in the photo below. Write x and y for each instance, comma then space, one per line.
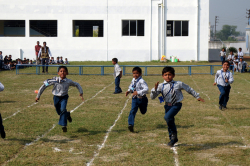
220, 75
117, 70
141, 86
240, 54
222, 53
178, 86
241, 64
230, 57
1, 87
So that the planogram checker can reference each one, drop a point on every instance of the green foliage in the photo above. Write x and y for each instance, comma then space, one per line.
232, 49
227, 30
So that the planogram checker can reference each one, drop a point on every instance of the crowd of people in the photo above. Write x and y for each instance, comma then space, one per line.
236, 61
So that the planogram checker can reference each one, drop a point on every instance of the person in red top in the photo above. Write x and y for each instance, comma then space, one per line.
37, 49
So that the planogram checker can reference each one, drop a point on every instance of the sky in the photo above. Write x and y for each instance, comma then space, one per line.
230, 12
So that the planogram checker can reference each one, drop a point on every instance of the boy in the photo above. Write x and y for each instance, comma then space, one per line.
52, 60
172, 95
240, 53
222, 55
61, 60
117, 75
242, 65
223, 79
66, 62
139, 89
60, 92
57, 61
230, 59
1, 121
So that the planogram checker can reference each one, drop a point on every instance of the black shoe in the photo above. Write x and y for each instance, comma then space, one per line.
131, 128
174, 139
224, 107
117, 92
69, 118
3, 134
64, 128
220, 107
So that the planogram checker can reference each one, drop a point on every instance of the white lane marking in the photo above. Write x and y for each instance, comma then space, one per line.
176, 159
246, 81
39, 137
56, 149
107, 134
19, 111
200, 89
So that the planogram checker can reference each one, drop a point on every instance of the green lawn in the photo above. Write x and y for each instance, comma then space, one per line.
207, 136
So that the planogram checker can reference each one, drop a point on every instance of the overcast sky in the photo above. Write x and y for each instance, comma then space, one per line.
230, 12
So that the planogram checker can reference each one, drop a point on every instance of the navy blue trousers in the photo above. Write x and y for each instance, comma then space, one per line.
170, 112
60, 102
117, 84
1, 124
224, 94
137, 103
222, 59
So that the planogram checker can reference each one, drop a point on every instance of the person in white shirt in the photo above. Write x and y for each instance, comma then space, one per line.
139, 89
242, 65
240, 53
117, 75
222, 55
230, 59
66, 62
223, 79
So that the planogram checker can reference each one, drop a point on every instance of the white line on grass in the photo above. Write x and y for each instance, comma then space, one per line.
107, 134
246, 81
54, 125
200, 89
176, 160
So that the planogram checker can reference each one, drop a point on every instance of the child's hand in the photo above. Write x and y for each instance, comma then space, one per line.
81, 97
214, 84
120, 76
37, 99
135, 93
156, 85
200, 99
127, 93
226, 80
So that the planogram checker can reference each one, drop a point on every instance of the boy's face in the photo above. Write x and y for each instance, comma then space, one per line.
231, 53
241, 59
225, 66
136, 74
113, 63
240, 49
168, 76
62, 73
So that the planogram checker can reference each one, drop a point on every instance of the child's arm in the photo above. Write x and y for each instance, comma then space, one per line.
78, 86
121, 74
156, 90
126, 94
1, 87
191, 91
215, 79
231, 79
46, 84
144, 90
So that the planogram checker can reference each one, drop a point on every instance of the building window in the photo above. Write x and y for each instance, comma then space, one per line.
12, 28
43, 28
177, 28
132, 27
87, 28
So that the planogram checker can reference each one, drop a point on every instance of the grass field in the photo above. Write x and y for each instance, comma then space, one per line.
98, 134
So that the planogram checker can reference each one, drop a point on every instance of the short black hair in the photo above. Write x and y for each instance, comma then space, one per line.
168, 69
64, 67
225, 62
137, 69
115, 60
240, 48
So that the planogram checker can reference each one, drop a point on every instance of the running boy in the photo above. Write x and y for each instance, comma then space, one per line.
172, 95
60, 92
1, 121
139, 89
223, 79
117, 75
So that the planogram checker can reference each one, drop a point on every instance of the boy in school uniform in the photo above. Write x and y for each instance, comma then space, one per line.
222, 55
139, 89
1, 121
230, 59
172, 96
223, 79
60, 91
117, 75
242, 65
240, 53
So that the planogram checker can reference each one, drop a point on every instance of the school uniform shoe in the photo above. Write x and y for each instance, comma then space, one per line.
64, 128
220, 107
3, 135
69, 118
173, 140
131, 128
224, 107
117, 92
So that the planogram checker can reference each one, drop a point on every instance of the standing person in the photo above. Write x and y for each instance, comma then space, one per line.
172, 95
45, 51
117, 75
37, 49
139, 89
1, 60
222, 55
60, 92
223, 79
230, 59
240, 53
1, 121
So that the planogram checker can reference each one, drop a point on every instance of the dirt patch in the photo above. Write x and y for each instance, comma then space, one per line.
114, 157
211, 118
245, 127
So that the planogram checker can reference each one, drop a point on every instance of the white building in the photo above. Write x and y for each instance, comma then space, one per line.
131, 30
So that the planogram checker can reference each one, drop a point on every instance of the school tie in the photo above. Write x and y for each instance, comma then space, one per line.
225, 76
173, 97
135, 84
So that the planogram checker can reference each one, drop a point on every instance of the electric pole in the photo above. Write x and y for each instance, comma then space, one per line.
216, 21
248, 16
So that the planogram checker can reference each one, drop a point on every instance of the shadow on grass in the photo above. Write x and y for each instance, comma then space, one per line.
161, 126
21, 141
206, 146
7, 101
87, 132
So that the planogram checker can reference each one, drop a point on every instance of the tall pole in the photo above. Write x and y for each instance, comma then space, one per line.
248, 13
216, 19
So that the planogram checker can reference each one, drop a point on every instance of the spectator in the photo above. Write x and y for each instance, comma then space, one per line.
31, 63
44, 54
10, 56
52, 60
1, 60
5, 59
66, 62
37, 49
222, 55
57, 60
230, 59
240, 53
61, 60
9, 60
242, 65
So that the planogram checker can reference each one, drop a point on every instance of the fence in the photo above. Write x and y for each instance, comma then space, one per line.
108, 70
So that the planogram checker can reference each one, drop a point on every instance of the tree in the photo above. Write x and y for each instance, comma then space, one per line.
226, 32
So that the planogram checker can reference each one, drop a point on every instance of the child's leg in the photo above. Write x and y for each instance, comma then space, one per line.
117, 84
226, 98
170, 112
134, 109
60, 104
143, 104
222, 94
